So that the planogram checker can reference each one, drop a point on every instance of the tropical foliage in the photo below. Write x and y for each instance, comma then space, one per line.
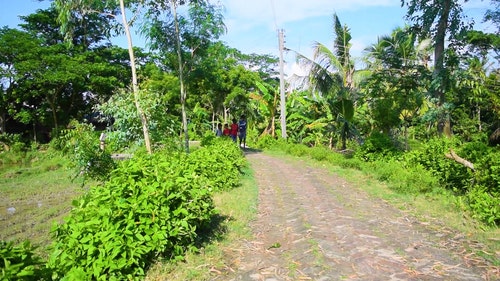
421, 112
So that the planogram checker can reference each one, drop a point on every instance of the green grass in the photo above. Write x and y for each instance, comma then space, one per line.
237, 208
32, 197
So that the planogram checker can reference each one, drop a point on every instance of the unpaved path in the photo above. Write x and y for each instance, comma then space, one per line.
312, 225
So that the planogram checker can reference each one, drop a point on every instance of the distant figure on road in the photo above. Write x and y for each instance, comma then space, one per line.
242, 130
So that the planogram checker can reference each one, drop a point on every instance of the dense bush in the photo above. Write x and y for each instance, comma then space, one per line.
319, 153
485, 206
431, 157
376, 146
484, 196
219, 160
408, 180
21, 262
81, 144
266, 141
488, 172
11, 142
296, 149
352, 163
14, 151
153, 205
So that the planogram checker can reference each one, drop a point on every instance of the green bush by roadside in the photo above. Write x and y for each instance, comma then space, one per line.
484, 205
21, 262
81, 145
431, 156
220, 160
377, 146
152, 206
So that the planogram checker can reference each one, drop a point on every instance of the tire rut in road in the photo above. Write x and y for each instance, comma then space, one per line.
312, 225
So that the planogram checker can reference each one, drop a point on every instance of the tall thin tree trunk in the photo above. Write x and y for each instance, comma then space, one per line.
54, 114
181, 78
273, 126
444, 125
214, 126
135, 87
225, 114
2, 122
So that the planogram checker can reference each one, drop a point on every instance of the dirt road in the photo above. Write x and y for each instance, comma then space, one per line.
312, 225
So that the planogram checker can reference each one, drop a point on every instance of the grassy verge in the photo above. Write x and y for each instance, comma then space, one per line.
32, 197
237, 208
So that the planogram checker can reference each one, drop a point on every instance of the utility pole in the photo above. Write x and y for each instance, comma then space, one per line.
282, 84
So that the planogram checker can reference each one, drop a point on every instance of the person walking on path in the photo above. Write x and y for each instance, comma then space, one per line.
234, 130
242, 130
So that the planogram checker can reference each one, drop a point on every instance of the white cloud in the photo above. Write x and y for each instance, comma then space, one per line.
278, 12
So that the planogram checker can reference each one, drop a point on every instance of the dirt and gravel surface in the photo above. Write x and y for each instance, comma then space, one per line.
313, 225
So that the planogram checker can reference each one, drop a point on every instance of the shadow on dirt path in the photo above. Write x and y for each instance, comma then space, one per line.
312, 225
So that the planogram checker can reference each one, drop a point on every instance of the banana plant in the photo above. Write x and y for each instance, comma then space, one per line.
267, 100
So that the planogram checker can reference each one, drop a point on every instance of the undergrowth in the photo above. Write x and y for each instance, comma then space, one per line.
149, 207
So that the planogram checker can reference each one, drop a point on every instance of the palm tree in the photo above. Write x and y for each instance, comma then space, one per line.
399, 71
331, 76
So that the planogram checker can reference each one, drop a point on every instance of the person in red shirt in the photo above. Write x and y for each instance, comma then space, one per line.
234, 130
227, 131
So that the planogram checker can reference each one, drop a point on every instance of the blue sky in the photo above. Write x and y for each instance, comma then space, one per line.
252, 28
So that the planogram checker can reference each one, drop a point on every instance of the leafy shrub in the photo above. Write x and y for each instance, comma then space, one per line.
82, 146
11, 142
406, 180
319, 153
20, 262
152, 206
208, 139
351, 164
334, 157
376, 146
220, 161
484, 206
13, 150
11, 157
474, 151
488, 172
431, 157
265, 142
296, 149
414, 180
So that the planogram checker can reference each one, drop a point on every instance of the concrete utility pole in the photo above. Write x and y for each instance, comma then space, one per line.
282, 84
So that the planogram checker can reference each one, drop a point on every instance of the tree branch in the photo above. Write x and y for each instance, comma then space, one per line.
453, 156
